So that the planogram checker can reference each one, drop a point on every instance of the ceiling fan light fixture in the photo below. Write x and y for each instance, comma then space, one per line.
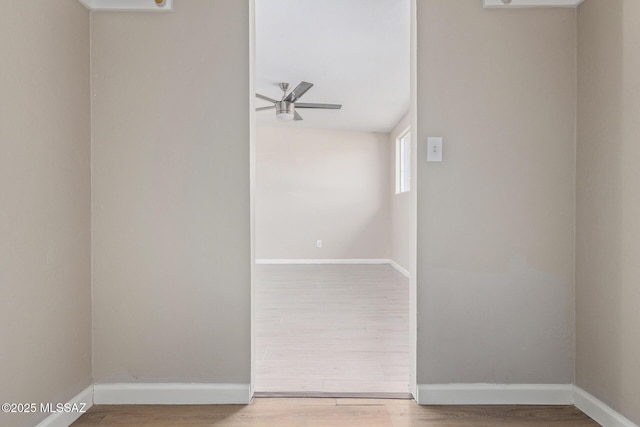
286, 107
285, 111
285, 117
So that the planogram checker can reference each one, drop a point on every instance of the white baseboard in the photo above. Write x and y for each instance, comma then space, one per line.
598, 410
400, 268
78, 406
432, 394
322, 261
495, 394
170, 394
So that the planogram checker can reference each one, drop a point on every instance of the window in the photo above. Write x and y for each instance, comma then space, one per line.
403, 162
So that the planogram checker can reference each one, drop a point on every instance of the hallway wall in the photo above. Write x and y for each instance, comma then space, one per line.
496, 217
45, 230
171, 199
608, 204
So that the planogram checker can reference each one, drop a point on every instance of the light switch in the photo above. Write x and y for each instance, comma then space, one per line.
434, 147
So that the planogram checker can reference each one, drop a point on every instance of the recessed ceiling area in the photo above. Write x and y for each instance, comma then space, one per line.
355, 52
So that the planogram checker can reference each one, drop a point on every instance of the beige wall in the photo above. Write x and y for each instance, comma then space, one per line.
327, 185
400, 209
171, 197
496, 218
608, 204
171, 217
45, 244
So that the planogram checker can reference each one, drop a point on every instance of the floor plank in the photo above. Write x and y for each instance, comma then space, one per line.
266, 412
331, 329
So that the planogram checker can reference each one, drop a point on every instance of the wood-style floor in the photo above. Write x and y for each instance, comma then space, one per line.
335, 329
333, 412
331, 329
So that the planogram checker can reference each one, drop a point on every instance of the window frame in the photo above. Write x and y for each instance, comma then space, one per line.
403, 161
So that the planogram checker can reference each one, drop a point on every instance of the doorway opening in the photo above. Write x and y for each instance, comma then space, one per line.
333, 202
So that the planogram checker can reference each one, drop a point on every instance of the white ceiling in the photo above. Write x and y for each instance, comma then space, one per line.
355, 52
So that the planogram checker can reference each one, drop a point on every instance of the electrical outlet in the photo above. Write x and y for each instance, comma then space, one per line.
318, 243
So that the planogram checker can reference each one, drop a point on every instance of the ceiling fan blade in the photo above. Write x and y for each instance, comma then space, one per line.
266, 98
300, 90
265, 108
312, 105
296, 117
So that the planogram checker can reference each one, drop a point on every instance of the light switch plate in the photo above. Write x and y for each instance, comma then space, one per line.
434, 146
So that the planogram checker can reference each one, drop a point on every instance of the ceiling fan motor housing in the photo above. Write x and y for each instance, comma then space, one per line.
285, 110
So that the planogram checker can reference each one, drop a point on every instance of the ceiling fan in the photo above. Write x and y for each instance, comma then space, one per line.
286, 107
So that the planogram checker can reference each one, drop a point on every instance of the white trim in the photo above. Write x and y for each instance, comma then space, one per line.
145, 4
170, 394
83, 400
532, 3
432, 394
495, 394
322, 261
400, 268
128, 5
598, 410
413, 204
403, 152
